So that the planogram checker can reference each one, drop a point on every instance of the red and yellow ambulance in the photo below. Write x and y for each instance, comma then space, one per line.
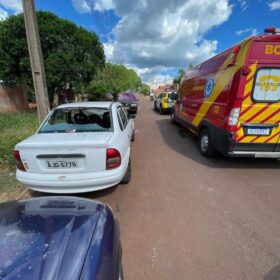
232, 101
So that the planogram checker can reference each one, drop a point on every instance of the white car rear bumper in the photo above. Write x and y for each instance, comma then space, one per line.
71, 183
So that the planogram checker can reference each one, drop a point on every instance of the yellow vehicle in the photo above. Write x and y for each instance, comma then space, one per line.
165, 102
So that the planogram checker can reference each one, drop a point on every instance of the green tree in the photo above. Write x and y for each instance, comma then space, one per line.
114, 79
71, 53
178, 78
181, 73
144, 89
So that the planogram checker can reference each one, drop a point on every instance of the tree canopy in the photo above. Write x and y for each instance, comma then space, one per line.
178, 78
144, 89
181, 73
114, 78
71, 54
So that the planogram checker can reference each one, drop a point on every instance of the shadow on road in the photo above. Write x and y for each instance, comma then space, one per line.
157, 112
185, 143
92, 195
273, 274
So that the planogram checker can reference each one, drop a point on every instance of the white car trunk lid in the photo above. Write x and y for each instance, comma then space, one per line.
65, 152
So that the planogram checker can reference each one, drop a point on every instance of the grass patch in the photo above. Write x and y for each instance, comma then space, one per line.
10, 188
8, 183
14, 127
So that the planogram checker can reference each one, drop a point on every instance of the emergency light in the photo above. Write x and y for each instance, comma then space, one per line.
272, 30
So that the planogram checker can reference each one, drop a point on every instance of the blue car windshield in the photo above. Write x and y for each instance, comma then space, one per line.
74, 120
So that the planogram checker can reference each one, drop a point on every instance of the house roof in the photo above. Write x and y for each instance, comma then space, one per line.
167, 87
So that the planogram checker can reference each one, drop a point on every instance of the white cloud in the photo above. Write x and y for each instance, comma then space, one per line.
151, 74
109, 49
172, 38
14, 5
253, 31
103, 5
81, 6
3, 14
157, 80
162, 34
243, 5
86, 6
275, 5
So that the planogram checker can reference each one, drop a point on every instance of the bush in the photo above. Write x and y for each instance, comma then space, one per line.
14, 127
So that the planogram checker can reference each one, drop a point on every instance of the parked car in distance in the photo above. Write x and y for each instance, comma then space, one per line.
59, 238
129, 100
163, 103
80, 147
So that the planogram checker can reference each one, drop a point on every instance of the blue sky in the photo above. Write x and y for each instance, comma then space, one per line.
156, 37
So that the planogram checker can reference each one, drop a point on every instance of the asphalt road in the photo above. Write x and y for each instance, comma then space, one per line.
187, 217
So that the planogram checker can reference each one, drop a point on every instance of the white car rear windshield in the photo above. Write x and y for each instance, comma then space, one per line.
267, 85
71, 120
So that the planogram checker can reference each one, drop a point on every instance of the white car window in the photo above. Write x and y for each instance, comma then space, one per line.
122, 116
65, 120
126, 113
120, 121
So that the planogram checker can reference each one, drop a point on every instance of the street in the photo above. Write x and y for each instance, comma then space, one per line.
184, 216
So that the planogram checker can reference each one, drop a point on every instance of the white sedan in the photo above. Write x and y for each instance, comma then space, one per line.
80, 147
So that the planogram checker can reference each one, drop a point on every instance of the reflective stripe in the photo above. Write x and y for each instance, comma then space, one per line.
222, 79
270, 140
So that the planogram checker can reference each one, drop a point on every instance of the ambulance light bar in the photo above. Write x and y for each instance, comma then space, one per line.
272, 30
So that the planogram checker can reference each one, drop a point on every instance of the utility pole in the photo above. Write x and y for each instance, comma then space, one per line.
36, 58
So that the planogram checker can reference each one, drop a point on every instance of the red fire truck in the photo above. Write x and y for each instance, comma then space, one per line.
232, 101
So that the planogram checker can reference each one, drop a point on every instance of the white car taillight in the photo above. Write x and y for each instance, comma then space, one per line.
113, 159
18, 161
234, 116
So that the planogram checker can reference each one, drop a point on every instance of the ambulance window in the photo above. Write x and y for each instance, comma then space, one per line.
267, 85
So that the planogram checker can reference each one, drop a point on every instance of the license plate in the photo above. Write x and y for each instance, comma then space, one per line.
61, 164
258, 131
133, 105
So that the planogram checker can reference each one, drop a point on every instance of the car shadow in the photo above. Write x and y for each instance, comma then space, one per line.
273, 274
184, 142
91, 195
165, 113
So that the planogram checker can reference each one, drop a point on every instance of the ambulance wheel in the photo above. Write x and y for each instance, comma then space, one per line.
172, 117
160, 110
205, 143
155, 107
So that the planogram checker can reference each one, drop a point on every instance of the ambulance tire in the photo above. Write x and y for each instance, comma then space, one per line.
160, 110
205, 143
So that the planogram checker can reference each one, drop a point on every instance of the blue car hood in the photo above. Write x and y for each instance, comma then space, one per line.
46, 238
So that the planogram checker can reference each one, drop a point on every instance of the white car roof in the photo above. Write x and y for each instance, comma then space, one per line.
99, 104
